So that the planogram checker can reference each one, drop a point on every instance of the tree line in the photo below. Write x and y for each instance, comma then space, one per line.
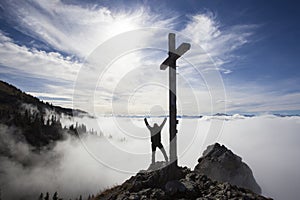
36, 129
55, 197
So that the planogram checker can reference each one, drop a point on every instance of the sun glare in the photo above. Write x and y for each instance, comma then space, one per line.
123, 25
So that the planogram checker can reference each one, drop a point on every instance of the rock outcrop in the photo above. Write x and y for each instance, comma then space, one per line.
154, 183
221, 164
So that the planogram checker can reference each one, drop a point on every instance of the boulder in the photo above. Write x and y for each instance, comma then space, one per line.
221, 164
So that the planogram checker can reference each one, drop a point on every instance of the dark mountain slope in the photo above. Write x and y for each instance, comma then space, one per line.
28, 116
12, 98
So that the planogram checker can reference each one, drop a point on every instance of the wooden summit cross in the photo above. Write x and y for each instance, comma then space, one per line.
170, 62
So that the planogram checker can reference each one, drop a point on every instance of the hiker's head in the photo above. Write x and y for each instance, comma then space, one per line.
155, 125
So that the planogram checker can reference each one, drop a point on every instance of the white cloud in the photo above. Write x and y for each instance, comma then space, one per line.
79, 30
261, 99
38, 63
217, 41
35, 63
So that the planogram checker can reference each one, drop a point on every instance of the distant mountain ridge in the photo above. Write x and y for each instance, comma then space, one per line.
215, 116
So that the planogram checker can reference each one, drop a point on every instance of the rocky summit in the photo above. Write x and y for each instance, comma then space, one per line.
155, 182
221, 164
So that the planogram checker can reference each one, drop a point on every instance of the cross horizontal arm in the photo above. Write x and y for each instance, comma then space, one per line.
165, 64
173, 56
184, 47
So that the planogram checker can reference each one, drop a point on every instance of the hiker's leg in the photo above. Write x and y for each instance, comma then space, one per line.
153, 157
153, 147
161, 147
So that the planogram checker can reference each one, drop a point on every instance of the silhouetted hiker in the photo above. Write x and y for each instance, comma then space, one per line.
156, 138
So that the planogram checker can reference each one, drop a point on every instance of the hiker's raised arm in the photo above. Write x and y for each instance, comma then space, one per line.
163, 123
146, 122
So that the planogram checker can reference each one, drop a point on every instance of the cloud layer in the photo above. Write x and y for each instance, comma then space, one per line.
268, 144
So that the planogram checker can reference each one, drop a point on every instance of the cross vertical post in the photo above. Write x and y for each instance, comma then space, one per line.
172, 102
170, 62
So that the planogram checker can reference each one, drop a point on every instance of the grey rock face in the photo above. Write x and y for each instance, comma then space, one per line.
221, 164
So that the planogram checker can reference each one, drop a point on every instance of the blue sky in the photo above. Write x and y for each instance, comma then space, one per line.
254, 46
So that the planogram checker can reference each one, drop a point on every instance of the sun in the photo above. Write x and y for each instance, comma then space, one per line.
123, 25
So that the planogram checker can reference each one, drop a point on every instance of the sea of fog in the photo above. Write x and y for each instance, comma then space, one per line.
268, 144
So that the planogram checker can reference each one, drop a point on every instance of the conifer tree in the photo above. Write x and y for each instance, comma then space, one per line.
41, 196
47, 196
55, 196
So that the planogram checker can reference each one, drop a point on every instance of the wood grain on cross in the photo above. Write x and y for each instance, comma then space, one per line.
174, 54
